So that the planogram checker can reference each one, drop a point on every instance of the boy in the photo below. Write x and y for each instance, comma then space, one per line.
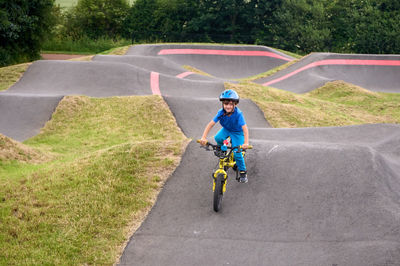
233, 125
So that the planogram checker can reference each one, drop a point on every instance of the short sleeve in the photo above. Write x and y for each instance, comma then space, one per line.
241, 120
218, 116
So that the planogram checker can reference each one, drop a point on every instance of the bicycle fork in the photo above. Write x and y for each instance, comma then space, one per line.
216, 173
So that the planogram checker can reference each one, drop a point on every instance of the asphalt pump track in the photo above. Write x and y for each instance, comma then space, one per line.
316, 196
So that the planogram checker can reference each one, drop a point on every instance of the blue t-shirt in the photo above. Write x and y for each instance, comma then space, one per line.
231, 123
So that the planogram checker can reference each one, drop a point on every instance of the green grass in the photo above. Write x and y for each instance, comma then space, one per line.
82, 46
71, 3
11, 74
269, 72
109, 158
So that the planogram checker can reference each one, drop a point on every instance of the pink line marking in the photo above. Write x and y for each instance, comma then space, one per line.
155, 83
337, 62
184, 74
221, 52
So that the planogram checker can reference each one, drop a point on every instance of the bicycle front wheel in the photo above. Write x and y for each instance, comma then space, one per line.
218, 192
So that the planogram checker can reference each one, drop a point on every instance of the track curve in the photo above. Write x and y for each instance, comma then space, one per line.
373, 72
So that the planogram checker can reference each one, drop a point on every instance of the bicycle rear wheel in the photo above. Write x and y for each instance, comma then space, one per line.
218, 192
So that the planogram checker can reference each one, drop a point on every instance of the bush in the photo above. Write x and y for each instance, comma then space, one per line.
24, 24
83, 45
95, 19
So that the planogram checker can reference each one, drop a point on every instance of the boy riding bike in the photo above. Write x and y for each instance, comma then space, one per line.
234, 126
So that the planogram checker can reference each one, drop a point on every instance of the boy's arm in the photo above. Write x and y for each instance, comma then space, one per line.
246, 136
209, 126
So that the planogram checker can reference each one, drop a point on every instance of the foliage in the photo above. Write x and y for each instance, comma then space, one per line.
96, 19
24, 24
83, 45
221, 21
301, 26
153, 20
366, 26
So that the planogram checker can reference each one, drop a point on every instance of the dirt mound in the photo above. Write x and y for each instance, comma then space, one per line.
11, 150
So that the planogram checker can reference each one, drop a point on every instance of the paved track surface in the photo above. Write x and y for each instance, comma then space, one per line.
229, 61
22, 116
316, 196
379, 73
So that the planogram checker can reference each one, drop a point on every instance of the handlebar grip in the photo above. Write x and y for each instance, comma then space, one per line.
248, 147
199, 141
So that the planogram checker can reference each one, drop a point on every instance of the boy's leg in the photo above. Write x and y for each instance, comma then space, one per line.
222, 135
238, 139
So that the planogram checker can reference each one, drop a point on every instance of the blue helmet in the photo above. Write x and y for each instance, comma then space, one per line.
230, 95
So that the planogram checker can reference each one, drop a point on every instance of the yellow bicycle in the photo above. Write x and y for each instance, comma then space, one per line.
220, 176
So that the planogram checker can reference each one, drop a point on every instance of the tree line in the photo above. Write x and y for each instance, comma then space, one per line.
300, 26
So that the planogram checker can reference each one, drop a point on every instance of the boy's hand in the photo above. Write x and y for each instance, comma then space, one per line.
203, 141
245, 146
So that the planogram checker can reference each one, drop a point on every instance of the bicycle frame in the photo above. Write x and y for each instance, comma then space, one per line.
226, 161
220, 176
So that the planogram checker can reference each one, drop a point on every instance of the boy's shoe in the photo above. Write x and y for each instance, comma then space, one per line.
243, 177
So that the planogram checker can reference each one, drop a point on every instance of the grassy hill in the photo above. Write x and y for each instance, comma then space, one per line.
72, 194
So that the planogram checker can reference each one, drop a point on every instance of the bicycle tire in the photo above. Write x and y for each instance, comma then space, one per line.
218, 192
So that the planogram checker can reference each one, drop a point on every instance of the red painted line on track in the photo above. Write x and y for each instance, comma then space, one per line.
184, 74
337, 62
155, 83
221, 52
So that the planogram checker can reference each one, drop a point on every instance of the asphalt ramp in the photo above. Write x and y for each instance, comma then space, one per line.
95, 79
22, 116
153, 63
222, 61
380, 73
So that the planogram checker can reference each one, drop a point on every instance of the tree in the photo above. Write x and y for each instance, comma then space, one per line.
24, 24
301, 26
140, 23
223, 20
154, 20
365, 26
96, 19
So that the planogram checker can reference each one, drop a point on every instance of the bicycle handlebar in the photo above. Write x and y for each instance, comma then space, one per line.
231, 148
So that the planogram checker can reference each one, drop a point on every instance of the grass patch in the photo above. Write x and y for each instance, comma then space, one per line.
335, 104
117, 51
108, 164
71, 3
11, 74
294, 55
195, 70
11, 150
269, 72
83, 46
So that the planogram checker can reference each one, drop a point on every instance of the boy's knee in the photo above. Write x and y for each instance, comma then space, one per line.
238, 155
218, 139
